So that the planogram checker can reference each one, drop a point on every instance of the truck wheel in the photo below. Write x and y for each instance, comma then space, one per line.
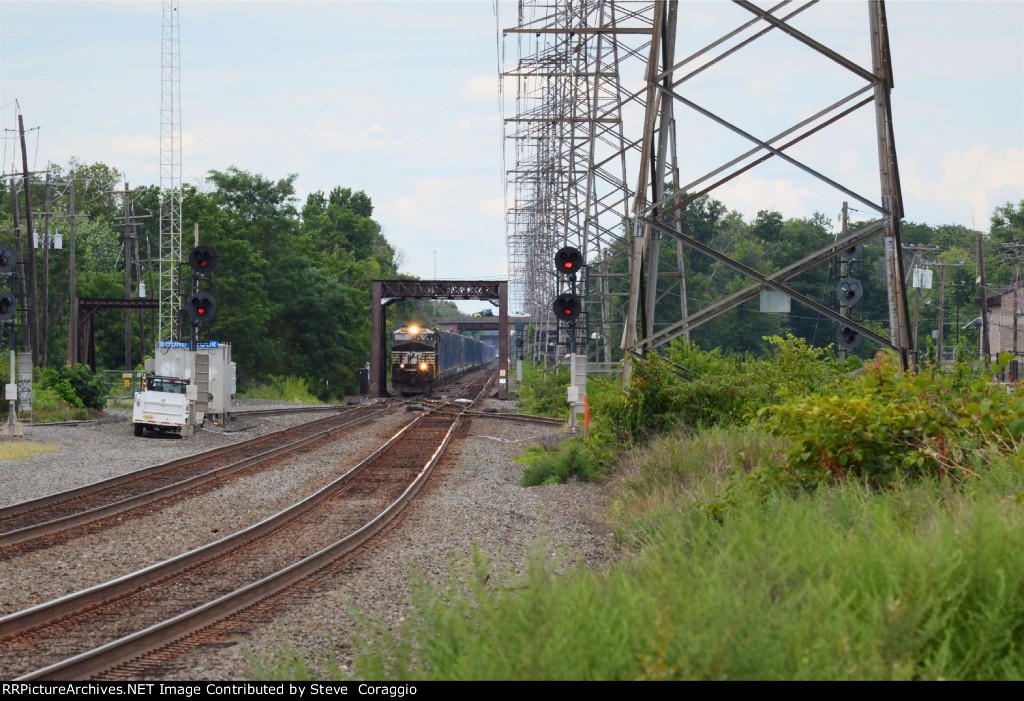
138, 430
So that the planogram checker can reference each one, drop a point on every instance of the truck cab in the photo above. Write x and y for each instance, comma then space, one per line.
162, 404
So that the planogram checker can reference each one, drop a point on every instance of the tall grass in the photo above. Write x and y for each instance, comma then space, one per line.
918, 582
683, 471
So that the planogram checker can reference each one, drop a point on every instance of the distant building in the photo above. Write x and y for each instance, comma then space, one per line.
1003, 306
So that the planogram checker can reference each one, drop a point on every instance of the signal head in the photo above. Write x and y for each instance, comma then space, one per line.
201, 308
848, 338
203, 259
8, 259
568, 260
852, 252
7, 306
567, 306
850, 290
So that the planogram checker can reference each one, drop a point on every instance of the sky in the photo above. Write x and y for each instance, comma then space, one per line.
400, 99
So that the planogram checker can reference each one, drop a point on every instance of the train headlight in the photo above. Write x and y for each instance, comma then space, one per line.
401, 366
423, 366
413, 330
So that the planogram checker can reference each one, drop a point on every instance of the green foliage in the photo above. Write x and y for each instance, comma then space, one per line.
292, 288
684, 471
543, 392
650, 403
76, 386
918, 583
570, 459
885, 425
286, 389
48, 406
729, 388
726, 389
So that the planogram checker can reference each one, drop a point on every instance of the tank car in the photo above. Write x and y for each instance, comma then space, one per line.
424, 358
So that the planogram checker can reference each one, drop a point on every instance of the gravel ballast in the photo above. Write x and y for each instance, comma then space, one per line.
474, 499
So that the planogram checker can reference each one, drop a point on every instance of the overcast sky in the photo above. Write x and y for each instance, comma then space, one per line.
400, 99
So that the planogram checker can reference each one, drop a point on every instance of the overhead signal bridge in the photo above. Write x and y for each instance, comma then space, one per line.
386, 292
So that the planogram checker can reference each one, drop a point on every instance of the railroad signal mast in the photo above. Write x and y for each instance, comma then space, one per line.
568, 305
200, 305
567, 308
8, 305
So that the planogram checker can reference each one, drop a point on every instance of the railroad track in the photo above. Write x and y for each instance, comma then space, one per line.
116, 629
23, 525
237, 413
290, 410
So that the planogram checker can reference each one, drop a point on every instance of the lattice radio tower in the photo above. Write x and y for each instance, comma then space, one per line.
170, 174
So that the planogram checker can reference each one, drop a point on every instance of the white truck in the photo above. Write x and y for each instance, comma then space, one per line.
163, 404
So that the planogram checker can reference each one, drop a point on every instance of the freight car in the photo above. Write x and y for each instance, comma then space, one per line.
423, 358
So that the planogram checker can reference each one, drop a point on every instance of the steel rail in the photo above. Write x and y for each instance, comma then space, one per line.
77, 519
152, 638
515, 417
32, 504
292, 410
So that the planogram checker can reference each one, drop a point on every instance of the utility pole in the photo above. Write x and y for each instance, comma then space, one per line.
984, 347
844, 271
138, 277
917, 249
33, 317
942, 296
130, 258
45, 341
21, 267
72, 284
1015, 309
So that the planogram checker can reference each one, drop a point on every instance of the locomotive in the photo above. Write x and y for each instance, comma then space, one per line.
423, 358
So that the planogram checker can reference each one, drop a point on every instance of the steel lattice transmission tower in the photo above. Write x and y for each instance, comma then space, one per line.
170, 174
601, 92
657, 209
570, 182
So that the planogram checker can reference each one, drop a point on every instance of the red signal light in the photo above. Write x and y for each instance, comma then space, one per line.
202, 259
568, 306
568, 260
201, 307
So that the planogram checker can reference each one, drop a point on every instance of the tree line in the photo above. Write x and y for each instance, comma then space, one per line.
292, 285
770, 242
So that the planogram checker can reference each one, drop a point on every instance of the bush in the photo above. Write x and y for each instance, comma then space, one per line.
884, 425
651, 402
544, 391
557, 466
728, 389
78, 386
